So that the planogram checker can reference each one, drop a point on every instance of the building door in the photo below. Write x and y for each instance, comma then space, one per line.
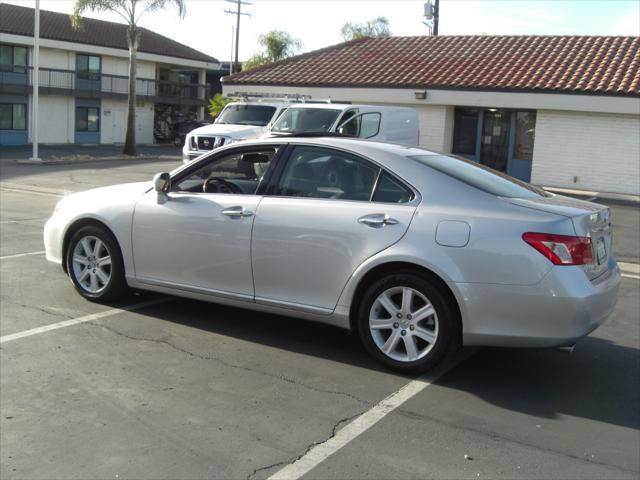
494, 150
119, 126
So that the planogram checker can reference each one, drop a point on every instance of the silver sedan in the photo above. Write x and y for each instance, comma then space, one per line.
419, 252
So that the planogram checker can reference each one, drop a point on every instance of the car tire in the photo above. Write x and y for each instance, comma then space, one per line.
95, 266
405, 309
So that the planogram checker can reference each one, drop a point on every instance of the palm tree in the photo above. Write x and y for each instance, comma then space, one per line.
277, 44
130, 11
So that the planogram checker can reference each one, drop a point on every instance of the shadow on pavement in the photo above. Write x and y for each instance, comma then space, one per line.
599, 381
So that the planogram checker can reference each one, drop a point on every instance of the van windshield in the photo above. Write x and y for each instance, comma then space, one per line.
300, 120
481, 177
247, 115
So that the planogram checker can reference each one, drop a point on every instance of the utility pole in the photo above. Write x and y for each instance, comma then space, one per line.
436, 17
431, 16
238, 12
35, 81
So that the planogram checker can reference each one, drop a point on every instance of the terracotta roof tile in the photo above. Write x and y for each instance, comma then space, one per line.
565, 64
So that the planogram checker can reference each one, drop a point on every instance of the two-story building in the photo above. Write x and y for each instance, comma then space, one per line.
83, 80
560, 111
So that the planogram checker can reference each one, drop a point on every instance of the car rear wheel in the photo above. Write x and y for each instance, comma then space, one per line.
94, 264
406, 322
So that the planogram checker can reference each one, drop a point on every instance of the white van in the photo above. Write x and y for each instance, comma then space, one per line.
237, 121
385, 123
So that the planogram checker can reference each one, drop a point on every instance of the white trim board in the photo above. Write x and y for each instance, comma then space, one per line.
536, 101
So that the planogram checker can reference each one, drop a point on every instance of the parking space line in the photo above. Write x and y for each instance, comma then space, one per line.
24, 220
629, 275
76, 321
364, 422
18, 255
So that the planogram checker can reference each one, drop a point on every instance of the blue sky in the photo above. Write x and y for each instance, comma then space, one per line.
317, 23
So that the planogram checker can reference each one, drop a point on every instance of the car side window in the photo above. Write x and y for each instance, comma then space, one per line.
352, 126
390, 190
315, 172
238, 172
370, 124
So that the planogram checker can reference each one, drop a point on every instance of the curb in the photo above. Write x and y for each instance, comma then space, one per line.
608, 198
87, 158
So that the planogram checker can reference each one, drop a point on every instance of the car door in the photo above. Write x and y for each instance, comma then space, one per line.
198, 236
328, 212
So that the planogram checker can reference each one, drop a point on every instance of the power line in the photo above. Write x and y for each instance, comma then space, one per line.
238, 13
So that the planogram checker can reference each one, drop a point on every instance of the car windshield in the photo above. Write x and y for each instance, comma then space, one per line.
481, 177
300, 120
247, 115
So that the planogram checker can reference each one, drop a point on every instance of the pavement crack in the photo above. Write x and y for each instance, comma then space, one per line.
49, 311
232, 365
334, 431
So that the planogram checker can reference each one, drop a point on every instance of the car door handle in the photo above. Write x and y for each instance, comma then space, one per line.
377, 220
238, 211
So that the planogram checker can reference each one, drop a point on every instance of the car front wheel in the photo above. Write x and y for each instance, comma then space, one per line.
94, 264
406, 323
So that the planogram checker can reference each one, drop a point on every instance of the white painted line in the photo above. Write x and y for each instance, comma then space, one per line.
364, 422
76, 321
24, 220
629, 267
18, 255
628, 275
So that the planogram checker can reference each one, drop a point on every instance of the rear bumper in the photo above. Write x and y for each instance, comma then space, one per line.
564, 307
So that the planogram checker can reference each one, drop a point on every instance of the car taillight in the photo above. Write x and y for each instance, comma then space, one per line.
561, 249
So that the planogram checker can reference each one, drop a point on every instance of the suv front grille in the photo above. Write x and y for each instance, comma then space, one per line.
209, 143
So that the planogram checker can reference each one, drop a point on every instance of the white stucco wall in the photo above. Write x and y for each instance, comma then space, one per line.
53, 58
436, 126
601, 150
56, 119
120, 66
113, 117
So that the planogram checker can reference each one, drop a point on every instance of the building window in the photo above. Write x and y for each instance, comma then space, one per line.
88, 66
13, 59
13, 116
525, 135
465, 131
87, 119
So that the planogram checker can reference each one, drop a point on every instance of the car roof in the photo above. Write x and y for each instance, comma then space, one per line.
265, 104
324, 106
349, 143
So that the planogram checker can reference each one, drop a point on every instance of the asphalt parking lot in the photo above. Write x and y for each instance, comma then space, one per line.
177, 388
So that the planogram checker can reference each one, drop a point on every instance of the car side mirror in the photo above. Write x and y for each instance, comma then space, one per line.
162, 182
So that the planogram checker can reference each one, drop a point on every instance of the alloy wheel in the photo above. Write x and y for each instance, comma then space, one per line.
91, 264
403, 324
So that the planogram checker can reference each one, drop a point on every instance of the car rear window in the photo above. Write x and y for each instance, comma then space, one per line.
480, 176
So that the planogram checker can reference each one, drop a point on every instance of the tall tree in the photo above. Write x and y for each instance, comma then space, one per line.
130, 11
376, 27
277, 45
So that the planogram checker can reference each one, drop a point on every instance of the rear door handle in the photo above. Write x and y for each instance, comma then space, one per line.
237, 211
377, 220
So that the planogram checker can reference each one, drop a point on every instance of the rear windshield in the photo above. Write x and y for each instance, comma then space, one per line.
301, 120
247, 115
479, 176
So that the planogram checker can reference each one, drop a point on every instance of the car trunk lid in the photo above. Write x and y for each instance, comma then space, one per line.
589, 220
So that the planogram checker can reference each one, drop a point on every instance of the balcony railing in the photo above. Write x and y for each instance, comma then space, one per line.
19, 79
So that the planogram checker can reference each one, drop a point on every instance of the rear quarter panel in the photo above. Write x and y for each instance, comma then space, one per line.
495, 252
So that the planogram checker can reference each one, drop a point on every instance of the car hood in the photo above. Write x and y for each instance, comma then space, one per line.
229, 130
123, 193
